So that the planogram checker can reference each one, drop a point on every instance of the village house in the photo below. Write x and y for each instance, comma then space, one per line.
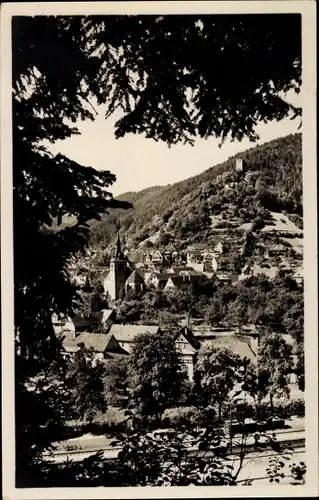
81, 322
145, 273
228, 277
174, 282
157, 259
298, 276
159, 280
170, 255
185, 342
278, 249
180, 269
102, 345
195, 252
246, 272
126, 334
135, 282
224, 263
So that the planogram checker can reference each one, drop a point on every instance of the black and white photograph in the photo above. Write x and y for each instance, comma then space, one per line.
159, 200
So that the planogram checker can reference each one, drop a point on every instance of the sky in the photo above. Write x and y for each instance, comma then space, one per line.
139, 163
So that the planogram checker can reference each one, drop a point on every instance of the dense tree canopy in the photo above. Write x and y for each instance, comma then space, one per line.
155, 374
274, 366
218, 370
174, 77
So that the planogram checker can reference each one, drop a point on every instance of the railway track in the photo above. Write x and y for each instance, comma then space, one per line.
295, 439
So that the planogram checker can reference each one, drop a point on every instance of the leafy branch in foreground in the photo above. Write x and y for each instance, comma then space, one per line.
178, 457
171, 77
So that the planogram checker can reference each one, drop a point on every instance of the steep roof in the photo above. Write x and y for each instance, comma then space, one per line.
84, 321
178, 269
127, 333
209, 275
176, 280
189, 336
164, 276
236, 345
135, 278
106, 314
157, 254
170, 248
98, 342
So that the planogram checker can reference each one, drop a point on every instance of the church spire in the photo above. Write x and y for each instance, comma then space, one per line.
118, 246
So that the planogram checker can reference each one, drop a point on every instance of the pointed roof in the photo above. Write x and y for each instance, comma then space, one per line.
176, 280
135, 278
237, 345
189, 336
98, 342
118, 252
127, 333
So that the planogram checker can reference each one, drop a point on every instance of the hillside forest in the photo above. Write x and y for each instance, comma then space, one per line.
182, 213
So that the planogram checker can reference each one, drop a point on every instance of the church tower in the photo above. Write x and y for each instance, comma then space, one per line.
118, 274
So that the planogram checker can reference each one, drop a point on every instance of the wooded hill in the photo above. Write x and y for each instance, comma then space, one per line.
220, 197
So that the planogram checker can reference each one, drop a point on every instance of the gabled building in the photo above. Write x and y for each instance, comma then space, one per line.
228, 277
104, 346
224, 263
135, 282
180, 269
175, 282
298, 276
187, 346
126, 334
81, 322
157, 258
246, 272
159, 280
185, 342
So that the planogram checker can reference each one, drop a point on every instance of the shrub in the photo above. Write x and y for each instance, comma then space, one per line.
113, 420
296, 407
257, 223
181, 415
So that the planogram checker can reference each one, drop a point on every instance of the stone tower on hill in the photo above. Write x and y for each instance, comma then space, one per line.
114, 283
240, 167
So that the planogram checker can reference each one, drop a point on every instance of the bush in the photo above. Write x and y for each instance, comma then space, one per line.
112, 421
181, 415
257, 224
188, 416
295, 407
